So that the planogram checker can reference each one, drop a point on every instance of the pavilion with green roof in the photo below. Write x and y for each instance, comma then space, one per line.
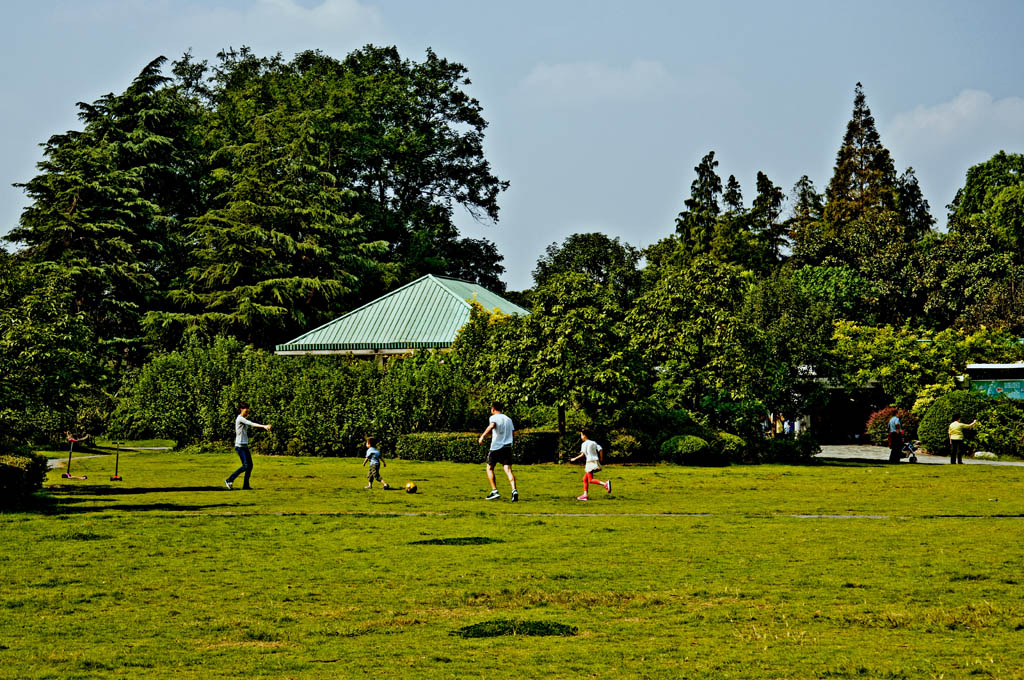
424, 314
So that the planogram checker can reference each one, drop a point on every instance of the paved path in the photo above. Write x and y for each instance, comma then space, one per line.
881, 453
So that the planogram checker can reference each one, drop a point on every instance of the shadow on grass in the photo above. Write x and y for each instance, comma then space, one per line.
62, 509
127, 490
459, 540
499, 627
856, 462
68, 500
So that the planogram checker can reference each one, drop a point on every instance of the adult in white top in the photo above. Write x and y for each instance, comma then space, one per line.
502, 432
242, 425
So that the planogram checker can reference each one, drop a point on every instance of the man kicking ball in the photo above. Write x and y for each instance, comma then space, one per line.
501, 430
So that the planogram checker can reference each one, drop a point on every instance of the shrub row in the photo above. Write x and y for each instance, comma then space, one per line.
531, 446
20, 477
317, 405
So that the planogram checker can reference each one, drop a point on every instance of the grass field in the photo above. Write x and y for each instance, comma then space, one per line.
828, 571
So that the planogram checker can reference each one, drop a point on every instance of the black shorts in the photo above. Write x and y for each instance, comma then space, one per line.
502, 456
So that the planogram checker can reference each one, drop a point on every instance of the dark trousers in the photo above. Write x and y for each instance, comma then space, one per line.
243, 453
895, 447
956, 451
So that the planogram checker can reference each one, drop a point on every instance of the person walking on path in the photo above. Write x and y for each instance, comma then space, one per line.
594, 454
242, 425
502, 431
374, 458
956, 440
895, 439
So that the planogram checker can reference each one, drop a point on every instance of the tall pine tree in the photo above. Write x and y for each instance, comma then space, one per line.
864, 178
696, 224
96, 214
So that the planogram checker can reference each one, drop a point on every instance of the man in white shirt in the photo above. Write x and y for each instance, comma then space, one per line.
502, 431
242, 425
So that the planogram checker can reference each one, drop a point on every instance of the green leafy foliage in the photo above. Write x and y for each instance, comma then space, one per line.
531, 446
691, 450
1001, 428
933, 430
687, 330
20, 477
877, 426
49, 361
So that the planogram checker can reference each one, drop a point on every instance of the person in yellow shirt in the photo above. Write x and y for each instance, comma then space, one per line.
956, 440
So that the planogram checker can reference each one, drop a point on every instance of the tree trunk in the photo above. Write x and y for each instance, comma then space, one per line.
561, 430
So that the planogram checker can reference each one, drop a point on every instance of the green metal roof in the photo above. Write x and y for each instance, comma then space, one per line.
426, 313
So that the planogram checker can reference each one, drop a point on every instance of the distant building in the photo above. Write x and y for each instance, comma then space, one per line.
424, 314
995, 380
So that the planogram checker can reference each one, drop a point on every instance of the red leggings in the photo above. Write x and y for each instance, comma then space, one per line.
587, 479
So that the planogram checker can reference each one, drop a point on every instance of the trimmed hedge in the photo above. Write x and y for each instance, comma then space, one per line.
20, 477
934, 428
531, 446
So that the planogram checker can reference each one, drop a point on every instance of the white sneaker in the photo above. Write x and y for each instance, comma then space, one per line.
227, 484
493, 495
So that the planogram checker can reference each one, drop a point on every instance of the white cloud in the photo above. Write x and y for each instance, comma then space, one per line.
588, 82
942, 141
970, 112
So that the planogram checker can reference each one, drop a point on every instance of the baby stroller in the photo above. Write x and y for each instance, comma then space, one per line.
910, 450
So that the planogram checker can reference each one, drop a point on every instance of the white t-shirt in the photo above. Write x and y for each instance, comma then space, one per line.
592, 450
501, 435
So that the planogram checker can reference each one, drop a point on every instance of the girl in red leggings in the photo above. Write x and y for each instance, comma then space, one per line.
595, 456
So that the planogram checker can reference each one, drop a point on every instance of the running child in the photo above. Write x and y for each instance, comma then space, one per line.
595, 456
373, 456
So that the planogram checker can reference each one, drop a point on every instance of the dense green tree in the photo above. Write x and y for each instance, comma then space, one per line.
331, 180
985, 181
864, 178
49, 359
696, 224
687, 329
732, 199
277, 249
796, 326
766, 222
847, 294
872, 219
603, 260
570, 352
96, 213
415, 153
903, 361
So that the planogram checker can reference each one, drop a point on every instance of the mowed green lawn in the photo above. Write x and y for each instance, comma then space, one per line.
836, 571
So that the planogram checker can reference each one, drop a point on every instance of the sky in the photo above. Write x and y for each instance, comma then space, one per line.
598, 110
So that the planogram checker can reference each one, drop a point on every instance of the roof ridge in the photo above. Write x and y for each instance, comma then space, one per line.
437, 280
359, 309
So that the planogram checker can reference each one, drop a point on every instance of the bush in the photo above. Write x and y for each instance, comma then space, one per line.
20, 477
688, 449
933, 430
531, 446
877, 426
1001, 428
623, 447
732, 447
